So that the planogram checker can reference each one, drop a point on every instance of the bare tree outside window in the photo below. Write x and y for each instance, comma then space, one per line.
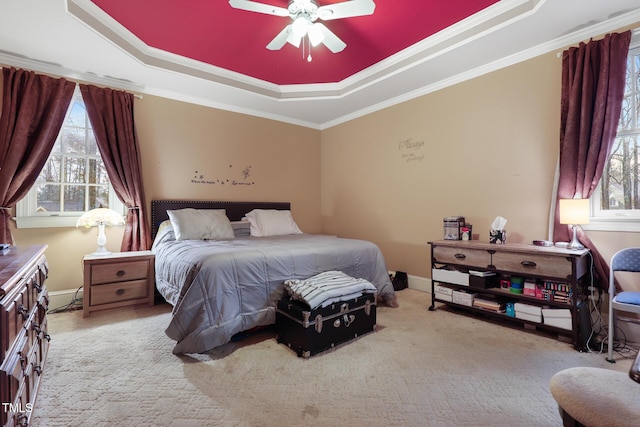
74, 178
619, 187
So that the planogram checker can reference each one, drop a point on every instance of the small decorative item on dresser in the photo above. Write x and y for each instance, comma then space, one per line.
466, 233
452, 227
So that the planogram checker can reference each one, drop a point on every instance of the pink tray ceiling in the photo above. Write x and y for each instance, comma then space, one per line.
213, 32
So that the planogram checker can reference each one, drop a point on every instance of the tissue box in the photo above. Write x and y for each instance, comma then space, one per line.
450, 276
560, 318
498, 236
443, 293
528, 312
463, 298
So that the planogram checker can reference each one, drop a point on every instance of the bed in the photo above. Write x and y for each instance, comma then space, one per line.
220, 287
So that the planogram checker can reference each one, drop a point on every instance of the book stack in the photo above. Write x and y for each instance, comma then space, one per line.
557, 291
488, 304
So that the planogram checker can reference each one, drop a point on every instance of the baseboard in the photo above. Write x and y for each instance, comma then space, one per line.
418, 283
58, 299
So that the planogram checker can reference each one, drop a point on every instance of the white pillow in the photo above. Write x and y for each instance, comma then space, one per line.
272, 222
200, 224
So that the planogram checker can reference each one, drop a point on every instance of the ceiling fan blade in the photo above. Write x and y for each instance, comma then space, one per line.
346, 9
254, 6
280, 39
331, 41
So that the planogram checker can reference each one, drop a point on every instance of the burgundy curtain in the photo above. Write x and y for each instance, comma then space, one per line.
33, 110
111, 115
593, 80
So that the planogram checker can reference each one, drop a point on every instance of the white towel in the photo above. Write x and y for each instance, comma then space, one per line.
326, 288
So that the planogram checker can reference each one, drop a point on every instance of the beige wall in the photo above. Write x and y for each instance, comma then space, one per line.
194, 152
479, 149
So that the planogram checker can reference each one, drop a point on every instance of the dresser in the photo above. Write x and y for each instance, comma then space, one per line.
24, 341
545, 286
117, 280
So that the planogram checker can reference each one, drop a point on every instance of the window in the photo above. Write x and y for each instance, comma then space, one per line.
615, 204
73, 180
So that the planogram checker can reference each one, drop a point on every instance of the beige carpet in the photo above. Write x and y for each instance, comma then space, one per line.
419, 368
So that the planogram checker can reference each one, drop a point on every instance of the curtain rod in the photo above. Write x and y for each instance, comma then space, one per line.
635, 39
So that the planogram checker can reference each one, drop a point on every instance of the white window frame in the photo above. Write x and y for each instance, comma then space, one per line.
28, 217
615, 220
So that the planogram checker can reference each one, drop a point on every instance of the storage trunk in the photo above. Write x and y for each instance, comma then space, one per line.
308, 332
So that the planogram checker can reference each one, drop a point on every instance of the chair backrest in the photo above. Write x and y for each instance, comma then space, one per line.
626, 260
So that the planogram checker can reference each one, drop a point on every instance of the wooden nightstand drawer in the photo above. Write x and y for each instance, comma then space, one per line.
118, 280
537, 264
119, 272
123, 291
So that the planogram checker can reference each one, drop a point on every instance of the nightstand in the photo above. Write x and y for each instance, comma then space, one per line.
117, 280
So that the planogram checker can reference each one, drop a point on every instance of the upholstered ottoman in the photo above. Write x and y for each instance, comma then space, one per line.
596, 397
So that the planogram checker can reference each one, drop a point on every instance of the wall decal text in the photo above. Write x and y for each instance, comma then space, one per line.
201, 178
411, 150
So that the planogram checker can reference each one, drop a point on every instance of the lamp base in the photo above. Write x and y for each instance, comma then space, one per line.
102, 241
101, 251
575, 244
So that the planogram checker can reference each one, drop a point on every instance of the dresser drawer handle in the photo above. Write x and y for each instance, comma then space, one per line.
460, 256
22, 310
37, 287
121, 273
120, 292
37, 369
528, 264
22, 420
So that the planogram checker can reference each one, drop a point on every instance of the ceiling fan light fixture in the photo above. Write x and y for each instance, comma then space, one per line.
294, 39
303, 15
316, 35
301, 25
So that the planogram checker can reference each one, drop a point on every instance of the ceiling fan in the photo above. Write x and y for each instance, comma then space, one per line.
304, 14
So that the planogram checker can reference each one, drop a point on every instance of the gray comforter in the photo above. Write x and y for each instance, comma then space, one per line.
220, 288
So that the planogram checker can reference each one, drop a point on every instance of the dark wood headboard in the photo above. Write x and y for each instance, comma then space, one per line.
235, 210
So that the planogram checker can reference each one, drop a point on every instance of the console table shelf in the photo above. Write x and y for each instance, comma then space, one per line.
543, 266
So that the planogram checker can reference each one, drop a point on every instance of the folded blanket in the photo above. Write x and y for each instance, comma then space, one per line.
326, 288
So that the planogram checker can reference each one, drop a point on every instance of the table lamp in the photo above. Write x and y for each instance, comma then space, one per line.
101, 217
574, 212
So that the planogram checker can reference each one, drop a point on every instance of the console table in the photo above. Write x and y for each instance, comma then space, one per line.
473, 271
